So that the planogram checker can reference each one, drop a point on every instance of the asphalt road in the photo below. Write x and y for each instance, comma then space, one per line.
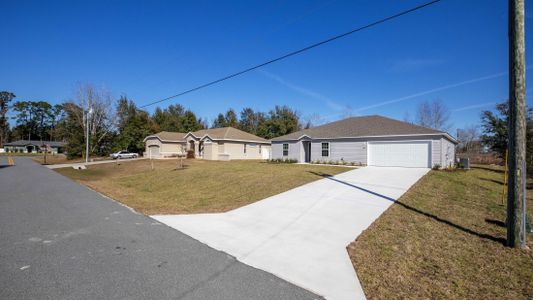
60, 240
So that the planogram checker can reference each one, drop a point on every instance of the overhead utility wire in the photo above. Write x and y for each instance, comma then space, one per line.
295, 52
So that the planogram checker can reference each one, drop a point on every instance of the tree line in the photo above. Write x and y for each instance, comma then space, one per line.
119, 124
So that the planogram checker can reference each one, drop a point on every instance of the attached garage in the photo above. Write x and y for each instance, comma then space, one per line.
164, 144
153, 151
412, 154
369, 140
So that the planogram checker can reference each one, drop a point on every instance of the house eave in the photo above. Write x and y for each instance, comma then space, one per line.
444, 134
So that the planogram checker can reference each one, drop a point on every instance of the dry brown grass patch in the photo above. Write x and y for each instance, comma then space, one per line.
202, 186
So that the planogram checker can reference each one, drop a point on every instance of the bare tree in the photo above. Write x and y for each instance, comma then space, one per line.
312, 120
347, 112
433, 114
102, 119
469, 138
407, 118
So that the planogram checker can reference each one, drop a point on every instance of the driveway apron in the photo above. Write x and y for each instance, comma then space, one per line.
301, 235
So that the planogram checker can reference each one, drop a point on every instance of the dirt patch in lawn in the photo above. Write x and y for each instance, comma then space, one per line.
201, 186
444, 239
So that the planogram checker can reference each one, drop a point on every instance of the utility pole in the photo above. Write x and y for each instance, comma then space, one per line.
89, 111
517, 124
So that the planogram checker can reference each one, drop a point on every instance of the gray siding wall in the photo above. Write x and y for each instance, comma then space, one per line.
355, 150
447, 153
294, 150
436, 151
347, 150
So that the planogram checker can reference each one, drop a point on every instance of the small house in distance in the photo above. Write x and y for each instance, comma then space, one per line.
369, 140
26, 146
212, 144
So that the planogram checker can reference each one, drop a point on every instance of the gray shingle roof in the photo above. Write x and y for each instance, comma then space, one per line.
365, 126
35, 143
229, 133
169, 136
225, 133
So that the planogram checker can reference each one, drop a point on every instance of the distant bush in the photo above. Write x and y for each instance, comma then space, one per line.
341, 162
282, 161
436, 167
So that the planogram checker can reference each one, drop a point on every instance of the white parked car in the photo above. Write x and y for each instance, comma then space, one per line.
124, 154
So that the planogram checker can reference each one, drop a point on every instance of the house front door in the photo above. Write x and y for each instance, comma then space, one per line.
307, 151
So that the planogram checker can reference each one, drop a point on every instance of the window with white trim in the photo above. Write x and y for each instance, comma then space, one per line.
325, 149
285, 149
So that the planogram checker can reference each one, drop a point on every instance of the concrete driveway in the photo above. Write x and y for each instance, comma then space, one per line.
301, 235
61, 240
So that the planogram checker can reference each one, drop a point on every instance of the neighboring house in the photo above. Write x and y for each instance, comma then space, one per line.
369, 140
24, 146
165, 144
213, 144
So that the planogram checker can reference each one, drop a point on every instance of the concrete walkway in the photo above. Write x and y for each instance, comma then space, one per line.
99, 162
301, 235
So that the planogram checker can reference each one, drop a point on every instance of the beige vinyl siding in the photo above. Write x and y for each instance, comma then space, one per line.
211, 151
171, 148
165, 148
235, 150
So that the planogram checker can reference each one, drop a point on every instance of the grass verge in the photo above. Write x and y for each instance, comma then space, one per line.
201, 186
444, 239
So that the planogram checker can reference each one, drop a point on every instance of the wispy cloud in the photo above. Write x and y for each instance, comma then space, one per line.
438, 89
305, 91
415, 64
474, 106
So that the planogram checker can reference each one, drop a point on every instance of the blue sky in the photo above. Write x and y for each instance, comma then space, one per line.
455, 51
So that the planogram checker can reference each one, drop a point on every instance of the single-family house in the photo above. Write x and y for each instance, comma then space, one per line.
28, 146
212, 144
369, 140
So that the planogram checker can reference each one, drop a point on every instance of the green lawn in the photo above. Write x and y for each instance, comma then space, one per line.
202, 186
444, 240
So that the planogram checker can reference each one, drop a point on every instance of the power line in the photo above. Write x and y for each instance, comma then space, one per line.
405, 12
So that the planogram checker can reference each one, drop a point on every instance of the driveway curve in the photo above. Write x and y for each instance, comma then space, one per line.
301, 235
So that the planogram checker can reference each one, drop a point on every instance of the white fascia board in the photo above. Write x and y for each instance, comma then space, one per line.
242, 141
157, 137
445, 134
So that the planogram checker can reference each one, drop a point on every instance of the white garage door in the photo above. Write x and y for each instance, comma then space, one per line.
399, 154
153, 150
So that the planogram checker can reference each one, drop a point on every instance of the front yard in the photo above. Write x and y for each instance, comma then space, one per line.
200, 187
444, 240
